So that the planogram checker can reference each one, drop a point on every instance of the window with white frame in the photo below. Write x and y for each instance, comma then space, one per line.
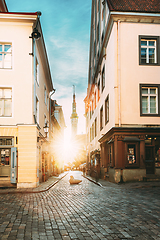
47, 102
5, 55
98, 90
101, 118
95, 127
107, 110
103, 18
148, 50
37, 109
5, 102
45, 95
103, 78
37, 71
149, 99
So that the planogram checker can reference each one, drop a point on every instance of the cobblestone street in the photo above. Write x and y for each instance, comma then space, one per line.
85, 211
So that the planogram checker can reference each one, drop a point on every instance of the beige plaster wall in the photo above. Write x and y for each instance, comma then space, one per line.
27, 156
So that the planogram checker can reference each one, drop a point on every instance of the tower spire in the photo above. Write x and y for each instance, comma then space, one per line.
74, 116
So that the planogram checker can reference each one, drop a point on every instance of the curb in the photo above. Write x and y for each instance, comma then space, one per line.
91, 180
38, 191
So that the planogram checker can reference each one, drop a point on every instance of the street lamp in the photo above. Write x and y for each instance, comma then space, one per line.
46, 128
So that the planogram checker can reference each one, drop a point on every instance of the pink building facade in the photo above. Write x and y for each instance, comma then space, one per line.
123, 95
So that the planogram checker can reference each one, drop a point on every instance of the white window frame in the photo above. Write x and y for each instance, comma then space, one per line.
7, 53
37, 109
148, 95
3, 87
107, 110
45, 95
47, 102
150, 47
37, 71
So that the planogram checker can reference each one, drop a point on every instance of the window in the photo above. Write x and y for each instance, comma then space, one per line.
37, 110
95, 100
101, 118
92, 107
149, 95
148, 50
103, 18
98, 90
107, 109
47, 102
6, 141
95, 127
90, 134
37, 71
132, 154
103, 78
5, 55
92, 131
45, 95
5, 102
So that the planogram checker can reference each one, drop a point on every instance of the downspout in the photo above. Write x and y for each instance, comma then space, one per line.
34, 69
119, 73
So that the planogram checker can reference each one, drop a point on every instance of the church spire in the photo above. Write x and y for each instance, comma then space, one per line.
74, 116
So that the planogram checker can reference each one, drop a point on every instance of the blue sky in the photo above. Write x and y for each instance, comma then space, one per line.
66, 29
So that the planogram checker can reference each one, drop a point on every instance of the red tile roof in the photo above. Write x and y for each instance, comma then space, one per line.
149, 6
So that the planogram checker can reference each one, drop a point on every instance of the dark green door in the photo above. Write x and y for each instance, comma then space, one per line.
149, 160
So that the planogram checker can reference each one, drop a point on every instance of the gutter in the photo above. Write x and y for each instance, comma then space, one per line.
136, 14
119, 73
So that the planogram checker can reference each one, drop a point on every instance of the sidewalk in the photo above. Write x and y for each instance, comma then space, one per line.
106, 183
44, 186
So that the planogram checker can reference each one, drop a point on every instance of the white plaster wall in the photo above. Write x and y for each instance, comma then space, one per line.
40, 92
132, 74
20, 76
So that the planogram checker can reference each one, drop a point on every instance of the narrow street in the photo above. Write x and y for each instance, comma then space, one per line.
85, 211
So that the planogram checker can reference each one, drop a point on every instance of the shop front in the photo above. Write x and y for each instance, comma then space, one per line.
131, 154
8, 161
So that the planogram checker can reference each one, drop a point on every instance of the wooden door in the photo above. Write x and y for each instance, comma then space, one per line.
149, 160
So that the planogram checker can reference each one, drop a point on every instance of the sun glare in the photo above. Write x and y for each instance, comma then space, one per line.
65, 149
70, 150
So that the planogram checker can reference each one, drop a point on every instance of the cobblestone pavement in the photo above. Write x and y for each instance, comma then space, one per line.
85, 211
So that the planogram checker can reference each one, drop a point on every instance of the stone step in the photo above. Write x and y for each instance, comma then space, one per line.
151, 178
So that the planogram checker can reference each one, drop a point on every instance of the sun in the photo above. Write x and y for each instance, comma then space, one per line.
70, 150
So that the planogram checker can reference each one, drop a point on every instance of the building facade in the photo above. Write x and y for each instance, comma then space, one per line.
123, 95
25, 95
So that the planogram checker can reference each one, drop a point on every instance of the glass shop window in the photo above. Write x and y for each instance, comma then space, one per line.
4, 157
131, 153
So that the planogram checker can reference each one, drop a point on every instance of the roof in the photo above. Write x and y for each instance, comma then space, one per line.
19, 13
148, 6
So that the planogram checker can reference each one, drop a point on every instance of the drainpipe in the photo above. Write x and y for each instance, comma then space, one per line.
119, 73
34, 66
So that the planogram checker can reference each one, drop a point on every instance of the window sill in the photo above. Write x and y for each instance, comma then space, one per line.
149, 64
150, 115
106, 122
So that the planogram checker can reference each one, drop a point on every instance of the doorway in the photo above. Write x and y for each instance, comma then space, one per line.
150, 160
